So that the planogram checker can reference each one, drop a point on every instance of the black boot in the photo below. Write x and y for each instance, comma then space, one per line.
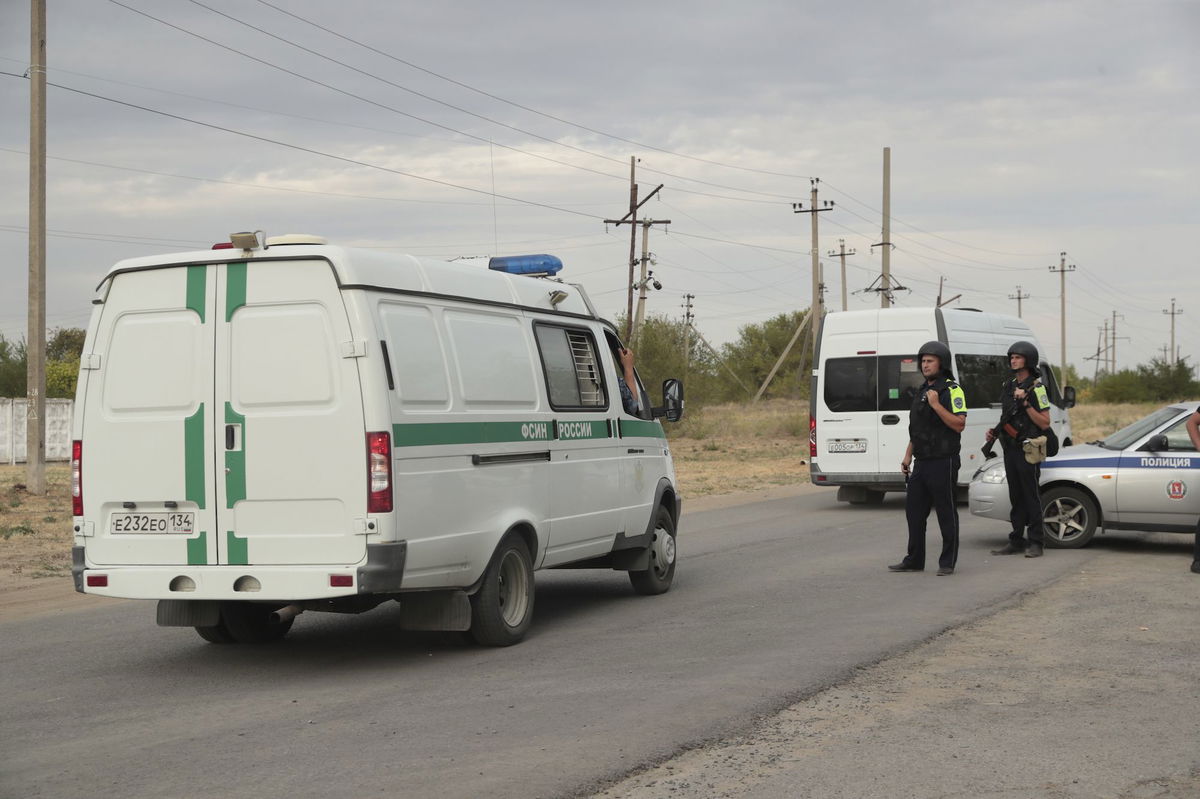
1009, 549
1034, 550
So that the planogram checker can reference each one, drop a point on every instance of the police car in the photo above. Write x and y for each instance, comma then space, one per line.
1143, 477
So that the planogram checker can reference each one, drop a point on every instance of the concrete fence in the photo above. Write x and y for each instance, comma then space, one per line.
13, 424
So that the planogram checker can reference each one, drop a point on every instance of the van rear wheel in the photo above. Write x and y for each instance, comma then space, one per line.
658, 577
216, 634
252, 623
502, 608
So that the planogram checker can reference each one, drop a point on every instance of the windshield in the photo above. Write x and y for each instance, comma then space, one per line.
1127, 435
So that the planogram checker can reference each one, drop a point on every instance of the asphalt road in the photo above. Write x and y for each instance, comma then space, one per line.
773, 601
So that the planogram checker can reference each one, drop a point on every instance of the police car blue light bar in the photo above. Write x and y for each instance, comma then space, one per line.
526, 264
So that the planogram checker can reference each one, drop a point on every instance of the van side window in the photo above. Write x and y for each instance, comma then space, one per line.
982, 378
899, 380
850, 384
572, 368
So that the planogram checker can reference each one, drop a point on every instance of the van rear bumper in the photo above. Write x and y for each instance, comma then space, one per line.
382, 572
884, 481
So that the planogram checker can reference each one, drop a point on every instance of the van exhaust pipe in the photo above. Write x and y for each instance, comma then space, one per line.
286, 614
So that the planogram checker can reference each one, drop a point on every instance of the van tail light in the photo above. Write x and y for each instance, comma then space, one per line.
812, 437
77, 478
379, 473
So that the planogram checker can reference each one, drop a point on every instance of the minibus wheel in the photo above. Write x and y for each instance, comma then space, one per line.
252, 623
502, 608
657, 578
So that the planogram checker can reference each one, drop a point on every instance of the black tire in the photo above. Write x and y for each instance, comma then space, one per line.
252, 623
502, 608
874, 497
1069, 518
658, 577
216, 634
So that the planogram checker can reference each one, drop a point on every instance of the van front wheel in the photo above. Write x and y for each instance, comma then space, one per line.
502, 608
657, 578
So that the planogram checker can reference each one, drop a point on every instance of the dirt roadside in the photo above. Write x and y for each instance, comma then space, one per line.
1087, 688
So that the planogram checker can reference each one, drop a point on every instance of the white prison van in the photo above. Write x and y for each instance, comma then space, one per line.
267, 429
866, 376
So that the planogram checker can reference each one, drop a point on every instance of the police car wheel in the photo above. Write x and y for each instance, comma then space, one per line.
1069, 518
253, 623
502, 608
658, 577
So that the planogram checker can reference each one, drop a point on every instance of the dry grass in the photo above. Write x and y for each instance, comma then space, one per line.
720, 449
35, 531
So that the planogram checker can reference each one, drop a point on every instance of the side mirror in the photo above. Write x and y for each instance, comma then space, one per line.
1069, 397
1156, 443
672, 407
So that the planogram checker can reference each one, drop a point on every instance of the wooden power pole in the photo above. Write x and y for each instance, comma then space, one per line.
35, 429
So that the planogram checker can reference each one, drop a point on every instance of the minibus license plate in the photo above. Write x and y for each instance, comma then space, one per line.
849, 445
153, 523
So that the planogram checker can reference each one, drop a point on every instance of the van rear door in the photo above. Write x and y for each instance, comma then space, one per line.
148, 421
224, 424
291, 444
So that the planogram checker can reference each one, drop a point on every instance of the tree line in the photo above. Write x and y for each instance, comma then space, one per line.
732, 372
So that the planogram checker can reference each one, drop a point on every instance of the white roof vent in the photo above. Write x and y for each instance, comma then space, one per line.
295, 238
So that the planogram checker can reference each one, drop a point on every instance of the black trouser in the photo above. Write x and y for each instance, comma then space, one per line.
1023, 496
932, 486
1196, 545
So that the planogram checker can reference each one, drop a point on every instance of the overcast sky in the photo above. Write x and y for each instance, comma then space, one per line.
1017, 131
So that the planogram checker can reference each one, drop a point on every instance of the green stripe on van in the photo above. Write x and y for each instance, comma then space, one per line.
197, 289
426, 434
237, 552
197, 550
235, 462
639, 429
235, 288
193, 457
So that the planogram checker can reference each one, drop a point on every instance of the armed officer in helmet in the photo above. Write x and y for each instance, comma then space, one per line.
935, 424
1025, 414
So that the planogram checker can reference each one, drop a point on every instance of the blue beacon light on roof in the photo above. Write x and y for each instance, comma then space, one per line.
526, 264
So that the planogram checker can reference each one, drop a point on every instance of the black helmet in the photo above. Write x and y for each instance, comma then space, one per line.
940, 350
1029, 351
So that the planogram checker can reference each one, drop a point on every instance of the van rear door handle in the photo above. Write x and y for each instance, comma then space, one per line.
890, 418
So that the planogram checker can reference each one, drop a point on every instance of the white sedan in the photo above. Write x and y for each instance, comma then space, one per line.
1143, 477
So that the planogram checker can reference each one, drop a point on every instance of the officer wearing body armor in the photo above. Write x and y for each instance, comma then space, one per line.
935, 425
1024, 415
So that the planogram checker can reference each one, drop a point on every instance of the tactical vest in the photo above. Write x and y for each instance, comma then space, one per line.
930, 436
1015, 415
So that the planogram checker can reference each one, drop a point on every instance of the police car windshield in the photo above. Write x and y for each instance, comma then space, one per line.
1124, 437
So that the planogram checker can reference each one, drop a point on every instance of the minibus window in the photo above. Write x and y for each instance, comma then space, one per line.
850, 384
899, 379
982, 377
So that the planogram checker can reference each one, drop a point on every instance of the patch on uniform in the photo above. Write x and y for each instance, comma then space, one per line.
1176, 489
958, 403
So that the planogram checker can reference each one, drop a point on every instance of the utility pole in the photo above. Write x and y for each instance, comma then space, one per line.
885, 295
35, 426
842, 253
646, 279
631, 218
1112, 353
1172, 313
1018, 297
1101, 350
814, 209
688, 316
1062, 270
